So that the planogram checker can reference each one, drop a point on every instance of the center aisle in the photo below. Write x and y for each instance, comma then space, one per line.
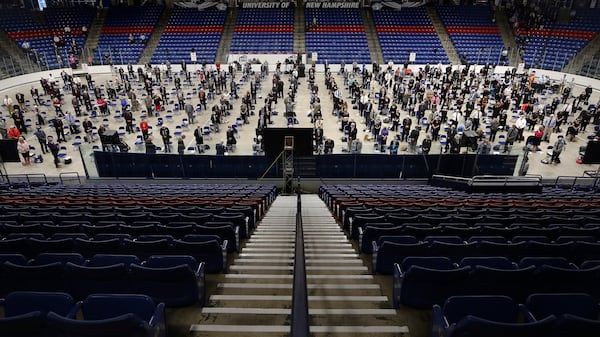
256, 295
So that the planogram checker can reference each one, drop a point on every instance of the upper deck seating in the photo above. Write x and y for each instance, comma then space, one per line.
409, 30
339, 35
190, 30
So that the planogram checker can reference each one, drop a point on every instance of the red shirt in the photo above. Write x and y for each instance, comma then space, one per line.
144, 126
14, 133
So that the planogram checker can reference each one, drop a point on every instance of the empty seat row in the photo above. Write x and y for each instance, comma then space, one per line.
422, 282
542, 314
31, 313
388, 251
552, 224
208, 248
410, 234
93, 216
173, 280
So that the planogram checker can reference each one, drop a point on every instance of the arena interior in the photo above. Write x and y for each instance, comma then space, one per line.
304, 168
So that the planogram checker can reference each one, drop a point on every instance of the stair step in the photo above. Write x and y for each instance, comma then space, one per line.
287, 243
308, 268
276, 311
290, 260
289, 298
308, 277
285, 328
290, 286
254, 297
349, 255
308, 250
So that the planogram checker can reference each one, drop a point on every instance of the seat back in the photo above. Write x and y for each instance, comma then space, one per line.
174, 286
431, 262
424, 287
103, 260
47, 277
475, 326
22, 302
497, 262
85, 280
47, 258
495, 308
31, 324
104, 306
167, 261
537, 262
579, 304
572, 325
128, 325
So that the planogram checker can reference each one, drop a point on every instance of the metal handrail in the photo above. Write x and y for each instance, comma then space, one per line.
300, 326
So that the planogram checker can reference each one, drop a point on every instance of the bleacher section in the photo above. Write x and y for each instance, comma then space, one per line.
406, 31
31, 313
339, 36
544, 240
554, 45
473, 33
264, 31
21, 26
102, 233
75, 18
113, 45
187, 30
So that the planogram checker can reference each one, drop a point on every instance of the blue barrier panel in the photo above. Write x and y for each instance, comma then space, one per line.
368, 166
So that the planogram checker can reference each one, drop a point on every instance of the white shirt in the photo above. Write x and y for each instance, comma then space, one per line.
521, 123
364, 99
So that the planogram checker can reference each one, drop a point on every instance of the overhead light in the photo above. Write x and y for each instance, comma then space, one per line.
221, 6
377, 6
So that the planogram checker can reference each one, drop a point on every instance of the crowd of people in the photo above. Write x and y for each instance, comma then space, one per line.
396, 108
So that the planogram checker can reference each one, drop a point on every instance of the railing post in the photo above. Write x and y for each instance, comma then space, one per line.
300, 326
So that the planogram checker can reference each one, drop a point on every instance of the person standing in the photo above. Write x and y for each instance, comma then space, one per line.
198, 134
144, 127
511, 136
41, 137
189, 110
21, 100
150, 147
520, 124
181, 145
426, 145
413, 139
166, 137
88, 128
23, 148
494, 126
14, 133
54, 148
128, 117
60, 129
558, 148
19, 119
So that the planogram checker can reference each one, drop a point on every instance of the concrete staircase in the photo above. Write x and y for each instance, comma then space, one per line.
586, 54
508, 38
372, 38
94, 32
453, 56
154, 39
299, 29
227, 36
255, 297
15, 58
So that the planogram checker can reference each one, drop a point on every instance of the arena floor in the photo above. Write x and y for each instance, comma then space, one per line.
331, 126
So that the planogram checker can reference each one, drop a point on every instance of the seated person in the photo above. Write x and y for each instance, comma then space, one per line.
572, 132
